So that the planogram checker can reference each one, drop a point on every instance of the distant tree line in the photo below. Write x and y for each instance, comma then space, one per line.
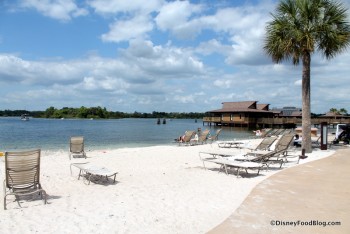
98, 113
102, 113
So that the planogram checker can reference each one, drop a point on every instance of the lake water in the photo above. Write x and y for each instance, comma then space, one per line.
54, 134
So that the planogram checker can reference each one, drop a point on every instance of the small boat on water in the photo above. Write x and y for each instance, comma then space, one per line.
24, 117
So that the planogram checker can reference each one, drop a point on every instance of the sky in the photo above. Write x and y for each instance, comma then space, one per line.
154, 55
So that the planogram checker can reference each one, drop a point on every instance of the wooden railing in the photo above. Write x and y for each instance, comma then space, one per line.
280, 121
212, 119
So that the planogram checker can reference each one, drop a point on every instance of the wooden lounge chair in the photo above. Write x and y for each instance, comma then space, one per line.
266, 143
187, 138
282, 145
76, 147
89, 171
204, 136
272, 132
231, 144
268, 158
202, 139
263, 145
216, 136
226, 163
265, 157
22, 174
316, 141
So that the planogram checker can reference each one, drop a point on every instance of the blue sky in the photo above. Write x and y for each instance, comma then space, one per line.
154, 55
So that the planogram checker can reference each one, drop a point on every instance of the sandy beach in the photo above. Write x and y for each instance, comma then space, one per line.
161, 189
310, 198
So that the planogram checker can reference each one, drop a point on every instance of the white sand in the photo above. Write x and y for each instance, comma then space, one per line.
162, 189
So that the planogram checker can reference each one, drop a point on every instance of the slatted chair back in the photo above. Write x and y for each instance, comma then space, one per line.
22, 169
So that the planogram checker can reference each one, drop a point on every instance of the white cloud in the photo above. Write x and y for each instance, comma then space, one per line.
122, 6
124, 30
62, 10
142, 71
152, 70
176, 17
244, 26
176, 13
223, 84
298, 82
185, 99
163, 61
105, 83
213, 46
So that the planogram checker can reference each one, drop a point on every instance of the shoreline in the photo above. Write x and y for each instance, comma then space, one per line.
159, 189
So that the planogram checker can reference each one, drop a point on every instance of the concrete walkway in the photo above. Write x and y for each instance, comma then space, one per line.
309, 198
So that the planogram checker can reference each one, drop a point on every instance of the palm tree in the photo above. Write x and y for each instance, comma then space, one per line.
298, 28
343, 111
334, 111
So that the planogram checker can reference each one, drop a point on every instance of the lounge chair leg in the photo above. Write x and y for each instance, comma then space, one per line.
221, 167
43, 194
204, 165
281, 163
226, 169
79, 174
90, 178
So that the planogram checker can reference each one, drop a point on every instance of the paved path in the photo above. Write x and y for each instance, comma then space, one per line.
314, 193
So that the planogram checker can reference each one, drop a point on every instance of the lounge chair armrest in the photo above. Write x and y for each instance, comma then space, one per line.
75, 164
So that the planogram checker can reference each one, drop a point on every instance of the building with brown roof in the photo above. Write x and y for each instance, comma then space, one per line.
246, 113
251, 114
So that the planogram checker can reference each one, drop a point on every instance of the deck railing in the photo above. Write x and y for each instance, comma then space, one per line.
279, 120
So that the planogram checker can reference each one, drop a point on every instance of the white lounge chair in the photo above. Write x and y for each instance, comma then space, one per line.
88, 171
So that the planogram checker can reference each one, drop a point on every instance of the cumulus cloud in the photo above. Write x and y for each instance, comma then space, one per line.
185, 99
124, 30
175, 16
213, 46
117, 6
142, 70
63, 10
244, 27
156, 67
223, 84
105, 83
164, 61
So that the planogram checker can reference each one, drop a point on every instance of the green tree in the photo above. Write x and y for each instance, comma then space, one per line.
334, 110
49, 112
297, 30
343, 111
82, 112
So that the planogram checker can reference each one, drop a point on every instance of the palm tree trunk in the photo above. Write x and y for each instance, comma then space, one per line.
306, 113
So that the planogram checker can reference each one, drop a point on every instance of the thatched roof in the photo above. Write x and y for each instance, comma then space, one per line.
246, 106
263, 106
332, 115
296, 113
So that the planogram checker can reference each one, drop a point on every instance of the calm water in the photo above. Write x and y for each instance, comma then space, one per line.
54, 134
